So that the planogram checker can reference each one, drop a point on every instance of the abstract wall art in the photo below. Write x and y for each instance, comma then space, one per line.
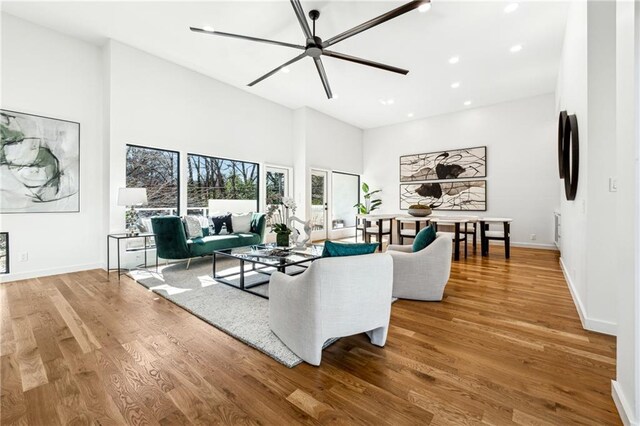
459, 195
453, 164
39, 164
4, 253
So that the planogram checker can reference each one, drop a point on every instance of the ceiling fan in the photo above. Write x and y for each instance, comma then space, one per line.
315, 47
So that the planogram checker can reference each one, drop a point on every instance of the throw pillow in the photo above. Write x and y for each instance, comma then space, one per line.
241, 222
425, 237
332, 249
222, 220
192, 227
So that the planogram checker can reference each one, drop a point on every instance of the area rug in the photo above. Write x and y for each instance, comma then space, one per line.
242, 315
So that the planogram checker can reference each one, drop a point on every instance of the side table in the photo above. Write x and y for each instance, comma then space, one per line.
125, 236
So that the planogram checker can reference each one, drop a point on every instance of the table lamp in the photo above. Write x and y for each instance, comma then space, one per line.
130, 197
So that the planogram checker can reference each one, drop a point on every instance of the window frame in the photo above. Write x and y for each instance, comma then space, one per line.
359, 194
226, 159
179, 182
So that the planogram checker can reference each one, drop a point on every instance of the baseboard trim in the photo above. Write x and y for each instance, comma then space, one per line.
539, 246
622, 405
46, 272
591, 324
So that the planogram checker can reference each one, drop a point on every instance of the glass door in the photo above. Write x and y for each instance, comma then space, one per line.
318, 205
345, 193
277, 187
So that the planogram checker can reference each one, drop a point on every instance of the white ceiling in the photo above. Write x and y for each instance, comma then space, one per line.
479, 32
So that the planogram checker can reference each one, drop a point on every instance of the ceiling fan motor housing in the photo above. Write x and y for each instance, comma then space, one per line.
314, 47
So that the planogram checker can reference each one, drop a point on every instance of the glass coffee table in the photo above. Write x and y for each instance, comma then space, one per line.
264, 260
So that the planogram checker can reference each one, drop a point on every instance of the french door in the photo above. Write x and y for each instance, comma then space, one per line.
319, 208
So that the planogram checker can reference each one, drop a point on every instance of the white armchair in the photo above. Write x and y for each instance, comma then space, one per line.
421, 275
334, 297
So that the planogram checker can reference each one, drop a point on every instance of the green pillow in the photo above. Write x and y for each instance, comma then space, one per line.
332, 249
425, 237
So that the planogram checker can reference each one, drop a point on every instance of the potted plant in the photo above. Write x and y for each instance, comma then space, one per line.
282, 232
419, 210
369, 204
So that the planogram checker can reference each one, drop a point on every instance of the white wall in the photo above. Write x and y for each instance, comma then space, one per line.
522, 171
333, 144
626, 387
49, 74
586, 87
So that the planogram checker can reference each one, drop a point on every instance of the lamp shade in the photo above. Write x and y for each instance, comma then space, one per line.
132, 196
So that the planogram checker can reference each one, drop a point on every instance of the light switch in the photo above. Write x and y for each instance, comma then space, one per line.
613, 184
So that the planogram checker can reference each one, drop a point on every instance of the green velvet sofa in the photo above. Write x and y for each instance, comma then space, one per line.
172, 242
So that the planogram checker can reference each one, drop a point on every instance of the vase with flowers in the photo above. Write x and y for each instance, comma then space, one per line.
278, 215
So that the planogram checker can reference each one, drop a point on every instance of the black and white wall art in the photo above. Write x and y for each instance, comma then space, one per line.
39, 164
449, 195
4, 252
453, 164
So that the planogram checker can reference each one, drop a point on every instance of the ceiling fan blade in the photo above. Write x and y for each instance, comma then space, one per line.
364, 62
299, 11
275, 70
323, 77
242, 37
375, 21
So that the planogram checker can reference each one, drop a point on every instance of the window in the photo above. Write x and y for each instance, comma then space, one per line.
277, 186
158, 171
221, 185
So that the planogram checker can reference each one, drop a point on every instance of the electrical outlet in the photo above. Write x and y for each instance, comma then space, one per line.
613, 184
532, 237
24, 257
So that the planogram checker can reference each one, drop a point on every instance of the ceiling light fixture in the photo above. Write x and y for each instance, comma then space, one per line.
467, 103
386, 101
410, 115
511, 7
424, 8
516, 48
208, 28
285, 70
455, 85
454, 59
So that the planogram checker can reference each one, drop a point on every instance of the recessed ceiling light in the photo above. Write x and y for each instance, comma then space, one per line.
511, 7
455, 85
410, 115
454, 59
285, 70
208, 28
386, 101
467, 103
390, 101
516, 48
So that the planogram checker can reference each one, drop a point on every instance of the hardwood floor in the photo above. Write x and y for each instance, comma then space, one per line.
504, 347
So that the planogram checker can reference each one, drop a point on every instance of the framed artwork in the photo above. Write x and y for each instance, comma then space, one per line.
468, 195
39, 164
4, 252
453, 164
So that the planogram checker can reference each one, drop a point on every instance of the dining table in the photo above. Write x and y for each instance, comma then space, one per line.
457, 222
378, 229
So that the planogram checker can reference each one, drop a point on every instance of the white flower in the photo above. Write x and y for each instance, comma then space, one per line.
289, 203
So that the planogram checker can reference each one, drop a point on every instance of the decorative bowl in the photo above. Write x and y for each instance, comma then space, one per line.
421, 212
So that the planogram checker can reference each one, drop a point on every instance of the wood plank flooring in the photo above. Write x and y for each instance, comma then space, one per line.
504, 347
